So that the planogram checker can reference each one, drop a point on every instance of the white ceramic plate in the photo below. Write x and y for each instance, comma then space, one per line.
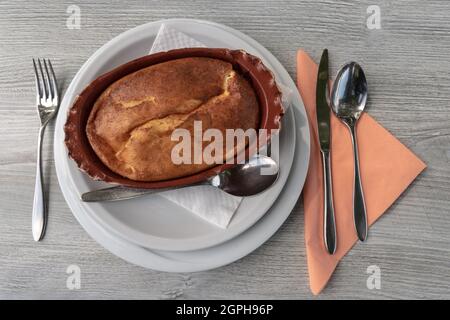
226, 252
155, 222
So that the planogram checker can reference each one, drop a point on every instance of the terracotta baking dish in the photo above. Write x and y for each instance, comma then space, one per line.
80, 150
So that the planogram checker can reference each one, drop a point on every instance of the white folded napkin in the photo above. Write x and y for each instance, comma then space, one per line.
211, 204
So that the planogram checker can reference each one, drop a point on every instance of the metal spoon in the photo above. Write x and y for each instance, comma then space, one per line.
348, 99
247, 179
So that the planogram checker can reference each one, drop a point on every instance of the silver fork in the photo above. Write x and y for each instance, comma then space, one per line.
47, 101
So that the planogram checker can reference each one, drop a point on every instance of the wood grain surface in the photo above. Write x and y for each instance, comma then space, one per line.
407, 64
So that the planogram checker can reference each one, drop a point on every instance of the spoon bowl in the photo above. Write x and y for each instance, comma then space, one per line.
349, 93
248, 179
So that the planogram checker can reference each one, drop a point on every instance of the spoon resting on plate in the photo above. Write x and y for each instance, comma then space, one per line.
247, 179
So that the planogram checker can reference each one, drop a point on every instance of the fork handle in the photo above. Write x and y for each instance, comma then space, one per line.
39, 216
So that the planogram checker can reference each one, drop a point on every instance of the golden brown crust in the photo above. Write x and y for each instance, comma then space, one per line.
131, 123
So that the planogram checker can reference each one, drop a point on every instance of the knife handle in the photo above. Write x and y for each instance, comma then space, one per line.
329, 225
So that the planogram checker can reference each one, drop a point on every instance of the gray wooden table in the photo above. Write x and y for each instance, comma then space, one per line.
407, 63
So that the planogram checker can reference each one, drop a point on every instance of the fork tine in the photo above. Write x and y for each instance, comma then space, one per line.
53, 81
44, 87
38, 84
47, 81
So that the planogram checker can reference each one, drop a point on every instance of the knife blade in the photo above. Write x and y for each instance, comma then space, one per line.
322, 108
324, 132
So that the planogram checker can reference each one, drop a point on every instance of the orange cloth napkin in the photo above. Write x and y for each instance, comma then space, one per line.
387, 168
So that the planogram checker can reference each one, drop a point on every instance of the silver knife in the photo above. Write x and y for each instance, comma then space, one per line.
324, 131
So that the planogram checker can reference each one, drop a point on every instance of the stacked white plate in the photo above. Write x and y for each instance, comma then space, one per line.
154, 232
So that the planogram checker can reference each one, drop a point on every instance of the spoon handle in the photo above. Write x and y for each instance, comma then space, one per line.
329, 225
359, 206
124, 193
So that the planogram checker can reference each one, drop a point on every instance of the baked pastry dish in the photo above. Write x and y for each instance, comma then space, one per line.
131, 123
120, 127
